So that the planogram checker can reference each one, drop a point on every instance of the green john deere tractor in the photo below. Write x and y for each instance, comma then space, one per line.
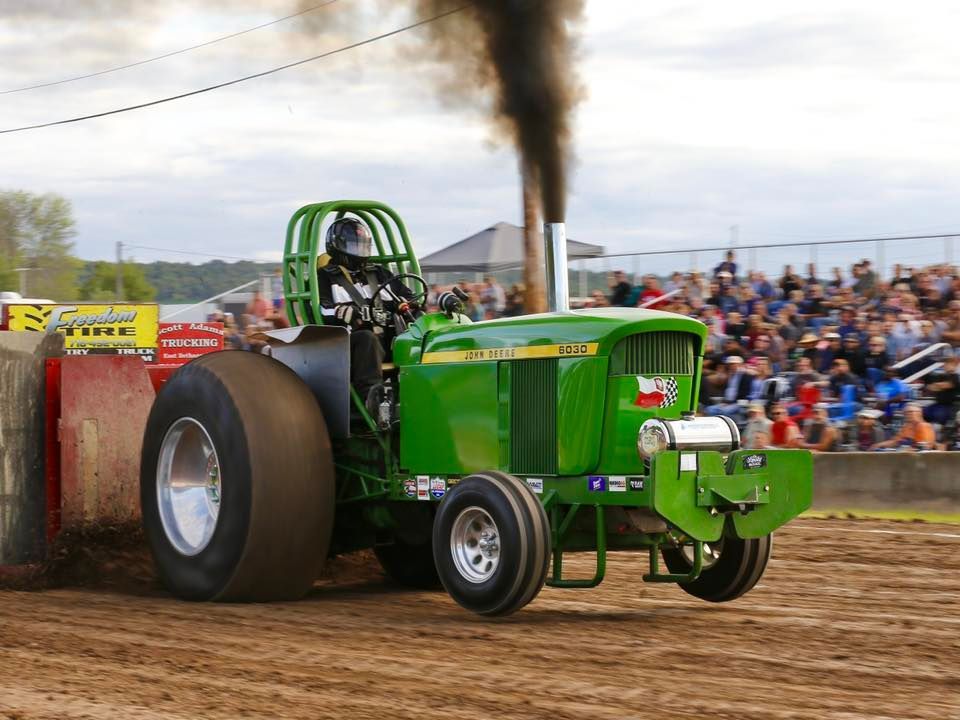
492, 450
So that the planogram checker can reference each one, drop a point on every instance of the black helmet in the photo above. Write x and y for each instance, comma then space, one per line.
348, 240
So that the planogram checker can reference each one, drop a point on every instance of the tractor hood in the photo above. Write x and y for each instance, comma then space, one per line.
592, 332
555, 394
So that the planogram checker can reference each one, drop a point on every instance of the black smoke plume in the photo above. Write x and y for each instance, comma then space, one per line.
523, 51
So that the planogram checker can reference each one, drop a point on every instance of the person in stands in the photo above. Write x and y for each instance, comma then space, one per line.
944, 385
620, 289
915, 433
853, 354
651, 291
756, 434
818, 434
726, 271
891, 392
869, 432
257, 308
739, 387
784, 432
803, 375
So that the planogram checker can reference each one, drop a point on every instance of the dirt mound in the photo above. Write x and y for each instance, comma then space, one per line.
116, 557
102, 556
354, 567
96, 556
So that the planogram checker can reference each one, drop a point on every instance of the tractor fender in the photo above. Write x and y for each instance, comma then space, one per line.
320, 355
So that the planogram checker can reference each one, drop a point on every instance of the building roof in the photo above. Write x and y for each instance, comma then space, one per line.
499, 247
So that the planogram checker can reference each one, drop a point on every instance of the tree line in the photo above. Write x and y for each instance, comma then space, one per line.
36, 239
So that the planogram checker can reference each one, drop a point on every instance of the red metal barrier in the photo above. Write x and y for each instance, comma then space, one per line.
159, 374
52, 447
96, 409
104, 404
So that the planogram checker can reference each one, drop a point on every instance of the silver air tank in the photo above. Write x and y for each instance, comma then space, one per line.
690, 433
558, 290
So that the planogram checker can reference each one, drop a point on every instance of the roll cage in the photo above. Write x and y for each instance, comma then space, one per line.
305, 243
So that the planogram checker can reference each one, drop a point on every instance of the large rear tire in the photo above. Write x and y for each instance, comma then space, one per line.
731, 567
492, 544
237, 481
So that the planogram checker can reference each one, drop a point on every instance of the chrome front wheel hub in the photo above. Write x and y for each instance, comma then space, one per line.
475, 544
188, 486
711, 553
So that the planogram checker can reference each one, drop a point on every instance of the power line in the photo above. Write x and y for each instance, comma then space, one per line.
218, 86
197, 253
839, 236
169, 54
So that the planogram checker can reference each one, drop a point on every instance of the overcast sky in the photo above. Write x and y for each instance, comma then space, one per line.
832, 121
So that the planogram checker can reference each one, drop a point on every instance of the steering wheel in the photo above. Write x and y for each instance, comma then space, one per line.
404, 306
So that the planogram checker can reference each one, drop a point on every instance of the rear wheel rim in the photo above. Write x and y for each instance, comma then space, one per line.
475, 545
188, 486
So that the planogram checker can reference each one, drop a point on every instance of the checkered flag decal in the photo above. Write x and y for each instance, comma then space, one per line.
670, 392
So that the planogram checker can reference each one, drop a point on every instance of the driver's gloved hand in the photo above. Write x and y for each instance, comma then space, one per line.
449, 304
349, 315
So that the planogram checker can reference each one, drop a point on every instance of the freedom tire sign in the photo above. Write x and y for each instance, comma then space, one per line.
127, 329
180, 343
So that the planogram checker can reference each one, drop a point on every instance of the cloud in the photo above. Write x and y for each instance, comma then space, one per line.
837, 120
847, 39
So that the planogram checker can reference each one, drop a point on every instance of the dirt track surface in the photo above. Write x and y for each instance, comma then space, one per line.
853, 624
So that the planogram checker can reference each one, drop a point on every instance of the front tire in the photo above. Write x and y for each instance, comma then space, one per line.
492, 543
731, 568
237, 481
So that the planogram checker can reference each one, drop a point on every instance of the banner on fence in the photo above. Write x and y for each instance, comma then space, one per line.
179, 343
89, 329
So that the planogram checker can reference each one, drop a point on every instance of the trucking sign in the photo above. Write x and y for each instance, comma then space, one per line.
129, 329
180, 343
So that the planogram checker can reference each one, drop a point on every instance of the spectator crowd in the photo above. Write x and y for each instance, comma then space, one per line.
487, 300
825, 363
260, 315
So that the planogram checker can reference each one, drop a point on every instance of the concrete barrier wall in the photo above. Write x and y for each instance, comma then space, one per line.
888, 481
22, 487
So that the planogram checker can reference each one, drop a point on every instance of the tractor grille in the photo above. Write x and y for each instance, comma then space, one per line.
533, 417
654, 353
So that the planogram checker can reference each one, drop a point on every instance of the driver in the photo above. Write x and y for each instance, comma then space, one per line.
346, 281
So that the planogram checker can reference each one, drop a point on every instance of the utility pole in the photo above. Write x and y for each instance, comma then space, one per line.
23, 280
119, 271
734, 235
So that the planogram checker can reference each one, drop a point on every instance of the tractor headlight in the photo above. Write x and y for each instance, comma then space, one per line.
707, 433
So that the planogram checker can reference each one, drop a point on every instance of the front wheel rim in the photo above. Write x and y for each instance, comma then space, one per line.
475, 545
711, 553
188, 486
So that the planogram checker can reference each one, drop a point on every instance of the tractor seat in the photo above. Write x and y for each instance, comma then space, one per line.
389, 368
